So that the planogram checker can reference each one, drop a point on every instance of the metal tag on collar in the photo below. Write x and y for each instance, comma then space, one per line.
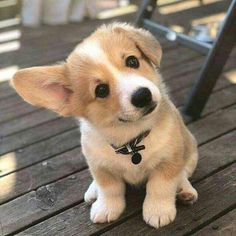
136, 158
132, 148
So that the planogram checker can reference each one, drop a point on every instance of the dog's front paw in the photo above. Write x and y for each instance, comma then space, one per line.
158, 214
103, 211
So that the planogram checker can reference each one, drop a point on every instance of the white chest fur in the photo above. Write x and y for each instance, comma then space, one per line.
99, 153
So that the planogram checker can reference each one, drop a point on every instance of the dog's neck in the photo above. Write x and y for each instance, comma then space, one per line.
122, 134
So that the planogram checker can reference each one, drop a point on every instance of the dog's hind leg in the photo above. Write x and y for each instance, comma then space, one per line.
91, 194
186, 192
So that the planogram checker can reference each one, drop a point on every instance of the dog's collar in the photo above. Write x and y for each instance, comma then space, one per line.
132, 148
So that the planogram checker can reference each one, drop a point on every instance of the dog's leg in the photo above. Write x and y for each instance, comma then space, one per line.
191, 163
186, 192
91, 194
159, 205
110, 201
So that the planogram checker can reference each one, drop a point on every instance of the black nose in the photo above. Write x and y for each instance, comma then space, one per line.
141, 97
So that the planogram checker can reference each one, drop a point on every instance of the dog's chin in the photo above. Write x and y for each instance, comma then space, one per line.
144, 115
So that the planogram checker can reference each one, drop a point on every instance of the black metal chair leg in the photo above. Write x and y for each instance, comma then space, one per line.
213, 66
145, 12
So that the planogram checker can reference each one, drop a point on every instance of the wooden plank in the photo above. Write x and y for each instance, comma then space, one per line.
184, 68
217, 100
224, 226
76, 219
216, 195
35, 134
186, 81
12, 107
217, 154
43, 202
39, 151
179, 55
6, 90
27, 121
28, 179
136, 204
193, 64
212, 126
222, 98
44, 39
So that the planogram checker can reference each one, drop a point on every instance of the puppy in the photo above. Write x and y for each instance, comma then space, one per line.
130, 130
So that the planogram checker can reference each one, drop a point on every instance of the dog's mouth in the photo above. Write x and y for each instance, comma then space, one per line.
124, 120
149, 109
146, 112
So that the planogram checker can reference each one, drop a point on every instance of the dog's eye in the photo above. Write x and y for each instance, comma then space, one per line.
132, 62
102, 91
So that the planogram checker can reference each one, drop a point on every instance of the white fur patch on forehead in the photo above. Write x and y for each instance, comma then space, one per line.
91, 49
129, 83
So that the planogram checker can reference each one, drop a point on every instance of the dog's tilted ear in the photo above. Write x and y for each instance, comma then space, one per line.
145, 41
45, 86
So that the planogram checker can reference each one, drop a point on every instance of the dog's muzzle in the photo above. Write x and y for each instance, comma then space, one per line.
141, 98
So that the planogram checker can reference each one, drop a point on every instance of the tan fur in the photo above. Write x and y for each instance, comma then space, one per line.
171, 154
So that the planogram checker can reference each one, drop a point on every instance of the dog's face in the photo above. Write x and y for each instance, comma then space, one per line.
110, 78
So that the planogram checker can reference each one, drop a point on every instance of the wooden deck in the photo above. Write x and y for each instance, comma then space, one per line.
43, 174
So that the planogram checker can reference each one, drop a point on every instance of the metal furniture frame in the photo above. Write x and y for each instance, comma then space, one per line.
216, 54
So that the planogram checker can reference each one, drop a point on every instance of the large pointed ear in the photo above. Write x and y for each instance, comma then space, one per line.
145, 41
45, 86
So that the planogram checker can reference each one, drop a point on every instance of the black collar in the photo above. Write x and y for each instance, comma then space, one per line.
132, 148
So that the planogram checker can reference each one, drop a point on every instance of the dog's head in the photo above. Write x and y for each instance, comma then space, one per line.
110, 78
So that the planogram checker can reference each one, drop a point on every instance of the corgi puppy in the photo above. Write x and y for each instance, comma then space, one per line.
130, 130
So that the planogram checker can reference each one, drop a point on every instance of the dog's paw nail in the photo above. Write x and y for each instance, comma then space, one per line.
101, 212
159, 216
